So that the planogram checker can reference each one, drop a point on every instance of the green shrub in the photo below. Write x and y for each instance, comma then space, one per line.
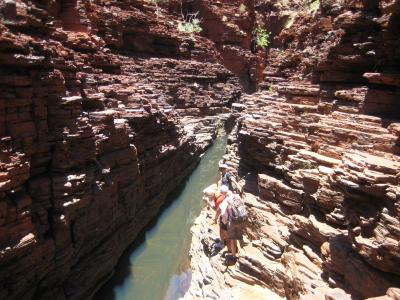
262, 37
191, 26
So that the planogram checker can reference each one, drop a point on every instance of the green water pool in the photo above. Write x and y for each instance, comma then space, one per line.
156, 266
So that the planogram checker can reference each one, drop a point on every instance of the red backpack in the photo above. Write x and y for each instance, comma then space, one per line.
218, 198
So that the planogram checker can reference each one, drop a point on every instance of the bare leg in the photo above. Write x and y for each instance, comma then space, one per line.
228, 245
233, 247
223, 236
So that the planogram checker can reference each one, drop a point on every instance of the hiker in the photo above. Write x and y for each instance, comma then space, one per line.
221, 214
210, 193
220, 195
227, 178
237, 216
232, 215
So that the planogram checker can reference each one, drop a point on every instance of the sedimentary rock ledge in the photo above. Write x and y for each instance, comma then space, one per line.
106, 107
318, 149
211, 277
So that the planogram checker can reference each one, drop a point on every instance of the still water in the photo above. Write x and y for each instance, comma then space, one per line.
155, 267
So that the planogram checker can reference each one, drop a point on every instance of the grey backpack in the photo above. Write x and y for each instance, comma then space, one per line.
237, 212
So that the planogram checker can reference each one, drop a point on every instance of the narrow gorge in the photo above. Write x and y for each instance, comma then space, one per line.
107, 106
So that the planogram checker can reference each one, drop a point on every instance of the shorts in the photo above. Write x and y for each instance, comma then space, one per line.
222, 225
235, 231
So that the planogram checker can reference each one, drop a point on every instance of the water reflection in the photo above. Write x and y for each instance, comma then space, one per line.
178, 285
155, 267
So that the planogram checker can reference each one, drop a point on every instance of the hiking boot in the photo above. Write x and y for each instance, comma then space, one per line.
230, 260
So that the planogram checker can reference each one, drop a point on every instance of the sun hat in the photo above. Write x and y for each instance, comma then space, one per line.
223, 166
223, 189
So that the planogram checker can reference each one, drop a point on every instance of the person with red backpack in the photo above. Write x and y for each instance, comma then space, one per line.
232, 214
219, 198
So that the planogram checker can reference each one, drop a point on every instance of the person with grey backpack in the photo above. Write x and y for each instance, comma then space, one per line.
237, 217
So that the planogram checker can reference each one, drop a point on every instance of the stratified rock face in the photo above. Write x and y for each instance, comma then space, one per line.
229, 24
92, 134
321, 156
320, 152
350, 49
105, 107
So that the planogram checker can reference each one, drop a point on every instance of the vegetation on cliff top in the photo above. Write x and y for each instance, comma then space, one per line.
190, 23
190, 26
262, 37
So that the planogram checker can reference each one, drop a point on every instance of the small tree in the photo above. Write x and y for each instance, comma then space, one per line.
262, 37
190, 24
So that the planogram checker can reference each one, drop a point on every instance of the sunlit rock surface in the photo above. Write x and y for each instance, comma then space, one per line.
106, 107
318, 149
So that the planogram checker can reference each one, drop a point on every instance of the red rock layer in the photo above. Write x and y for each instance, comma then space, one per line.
229, 24
323, 144
92, 134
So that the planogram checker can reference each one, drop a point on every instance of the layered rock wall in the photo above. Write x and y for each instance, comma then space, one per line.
105, 108
318, 149
326, 140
